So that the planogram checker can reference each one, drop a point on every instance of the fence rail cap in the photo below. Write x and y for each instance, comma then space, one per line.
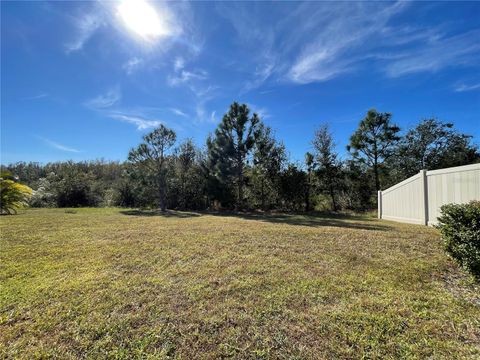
402, 183
454, 169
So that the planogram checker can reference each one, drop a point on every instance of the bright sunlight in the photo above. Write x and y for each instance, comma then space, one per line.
142, 19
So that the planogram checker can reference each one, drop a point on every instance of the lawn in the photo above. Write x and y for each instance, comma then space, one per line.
118, 283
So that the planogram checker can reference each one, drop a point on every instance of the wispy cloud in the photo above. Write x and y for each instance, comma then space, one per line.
262, 112
202, 96
256, 36
179, 64
140, 122
467, 87
178, 112
262, 73
103, 101
445, 52
334, 39
195, 81
38, 96
345, 30
132, 65
104, 104
85, 26
184, 76
57, 145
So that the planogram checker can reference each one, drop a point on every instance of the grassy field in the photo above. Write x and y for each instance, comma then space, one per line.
118, 283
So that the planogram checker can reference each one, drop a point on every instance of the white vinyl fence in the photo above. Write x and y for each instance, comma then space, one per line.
418, 199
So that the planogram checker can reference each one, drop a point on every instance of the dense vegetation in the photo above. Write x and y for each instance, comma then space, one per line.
460, 228
243, 166
132, 284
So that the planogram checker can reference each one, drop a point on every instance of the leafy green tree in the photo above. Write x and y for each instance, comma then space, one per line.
45, 195
431, 145
151, 155
233, 142
13, 195
374, 141
74, 189
358, 190
329, 168
293, 187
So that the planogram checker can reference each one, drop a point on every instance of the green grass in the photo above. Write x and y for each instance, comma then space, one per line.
117, 283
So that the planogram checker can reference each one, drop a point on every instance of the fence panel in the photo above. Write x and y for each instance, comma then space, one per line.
418, 199
453, 185
404, 201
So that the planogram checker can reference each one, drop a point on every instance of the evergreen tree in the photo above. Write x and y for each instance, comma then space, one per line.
233, 142
185, 156
293, 187
310, 163
151, 155
329, 167
268, 159
374, 141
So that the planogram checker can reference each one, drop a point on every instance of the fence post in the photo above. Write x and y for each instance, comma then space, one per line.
379, 204
423, 177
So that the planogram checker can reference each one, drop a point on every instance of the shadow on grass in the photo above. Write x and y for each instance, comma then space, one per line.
168, 213
311, 219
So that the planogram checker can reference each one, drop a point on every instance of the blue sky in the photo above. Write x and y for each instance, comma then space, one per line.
84, 80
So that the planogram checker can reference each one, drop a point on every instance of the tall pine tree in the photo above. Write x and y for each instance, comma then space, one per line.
151, 156
329, 167
233, 142
374, 141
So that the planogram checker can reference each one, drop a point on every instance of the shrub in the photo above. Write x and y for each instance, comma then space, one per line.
460, 227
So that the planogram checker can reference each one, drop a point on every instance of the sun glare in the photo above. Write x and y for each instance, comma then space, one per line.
142, 19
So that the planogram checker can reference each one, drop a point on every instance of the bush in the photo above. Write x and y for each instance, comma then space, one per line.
460, 227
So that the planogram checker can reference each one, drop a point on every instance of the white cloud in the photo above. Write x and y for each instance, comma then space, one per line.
347, 31
200, 111
184, 76
465, 87
38, 96
140, 122
202, 96
350, 36
258, 37
179, 64
178, 112
132, 65
456, 50
262, 112
315, 42
58, 146
103, 101
85, 25
317, 67
261, 74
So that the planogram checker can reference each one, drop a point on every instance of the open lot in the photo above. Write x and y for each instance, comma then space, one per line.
130, 284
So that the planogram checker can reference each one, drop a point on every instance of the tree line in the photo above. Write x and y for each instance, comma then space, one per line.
243, 166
